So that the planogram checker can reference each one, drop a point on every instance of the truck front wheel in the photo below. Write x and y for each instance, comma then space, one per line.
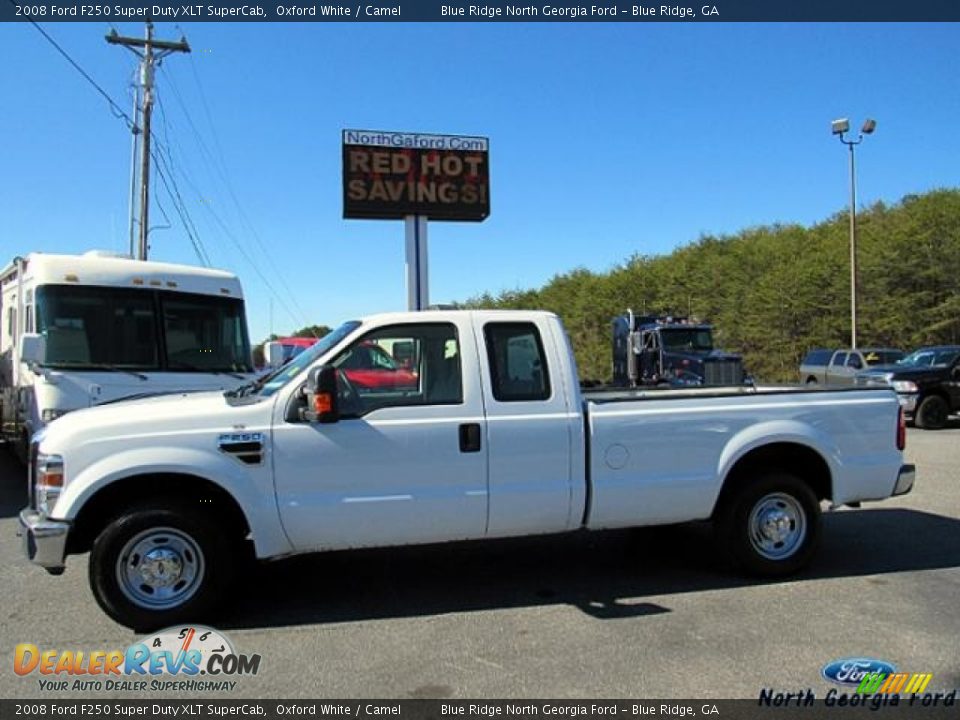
770, 527
932, 413
159, 564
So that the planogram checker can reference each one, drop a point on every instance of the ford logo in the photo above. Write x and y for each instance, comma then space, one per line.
852, 671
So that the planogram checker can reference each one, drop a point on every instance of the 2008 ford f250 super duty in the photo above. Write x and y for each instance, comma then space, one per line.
495, 440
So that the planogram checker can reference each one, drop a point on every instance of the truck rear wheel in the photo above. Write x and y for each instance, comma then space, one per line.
770, 527
160, 564
932, 413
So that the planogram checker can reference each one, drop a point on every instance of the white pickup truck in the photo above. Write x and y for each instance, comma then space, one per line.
483, 433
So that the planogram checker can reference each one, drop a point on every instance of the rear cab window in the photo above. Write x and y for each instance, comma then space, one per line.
839, 358
518, 363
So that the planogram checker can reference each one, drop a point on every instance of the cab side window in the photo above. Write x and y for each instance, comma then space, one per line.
518, 364
400, 366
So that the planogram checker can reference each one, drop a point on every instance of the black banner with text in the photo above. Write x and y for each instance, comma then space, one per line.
489, 11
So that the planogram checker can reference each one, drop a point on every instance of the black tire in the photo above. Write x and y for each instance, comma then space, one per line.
178, 536
784, 504
932, 413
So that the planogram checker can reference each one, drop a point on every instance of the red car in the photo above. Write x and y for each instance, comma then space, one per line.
367, 367
370, 367
293, 346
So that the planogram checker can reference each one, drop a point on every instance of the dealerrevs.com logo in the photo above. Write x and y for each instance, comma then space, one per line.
191, 658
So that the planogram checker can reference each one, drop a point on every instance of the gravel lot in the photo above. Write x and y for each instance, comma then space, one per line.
639, 614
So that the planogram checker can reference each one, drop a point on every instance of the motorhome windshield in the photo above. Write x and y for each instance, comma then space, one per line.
89, 328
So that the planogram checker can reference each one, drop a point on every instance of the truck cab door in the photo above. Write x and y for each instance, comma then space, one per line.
836, 369
853, 365
406, 462
952, 385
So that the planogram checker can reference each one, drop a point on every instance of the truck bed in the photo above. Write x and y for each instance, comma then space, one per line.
660, 455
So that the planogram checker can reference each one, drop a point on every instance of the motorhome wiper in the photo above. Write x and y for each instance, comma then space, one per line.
187, 366
139, 396
114, 368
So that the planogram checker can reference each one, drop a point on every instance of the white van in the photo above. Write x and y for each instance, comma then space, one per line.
81, 330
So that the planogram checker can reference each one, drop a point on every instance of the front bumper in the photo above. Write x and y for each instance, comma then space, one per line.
905, 480
44, 541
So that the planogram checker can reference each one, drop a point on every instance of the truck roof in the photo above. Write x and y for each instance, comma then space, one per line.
98, 268
442, 315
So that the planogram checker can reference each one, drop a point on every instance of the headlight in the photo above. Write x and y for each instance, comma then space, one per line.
48, 415
904, 386
49, 481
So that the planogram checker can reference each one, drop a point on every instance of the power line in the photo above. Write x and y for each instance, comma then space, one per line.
173, 193
224, 228
198, 246
117, 110
120, 113
179, 206
219, 167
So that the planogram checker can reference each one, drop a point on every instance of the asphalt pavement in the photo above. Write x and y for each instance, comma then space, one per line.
634, 614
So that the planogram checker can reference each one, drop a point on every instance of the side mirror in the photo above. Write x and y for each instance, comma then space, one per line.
322, 400
273, 354
33, 349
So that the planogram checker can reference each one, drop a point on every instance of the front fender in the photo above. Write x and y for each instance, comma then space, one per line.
251, 487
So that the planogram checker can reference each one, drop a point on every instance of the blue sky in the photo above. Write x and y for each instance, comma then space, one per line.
606, 140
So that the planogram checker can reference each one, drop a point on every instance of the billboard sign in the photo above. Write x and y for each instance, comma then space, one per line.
390, 175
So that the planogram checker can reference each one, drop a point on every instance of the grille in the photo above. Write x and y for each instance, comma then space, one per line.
723, 372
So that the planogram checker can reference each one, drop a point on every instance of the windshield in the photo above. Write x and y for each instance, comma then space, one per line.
930, 357
280, 377
688, 341
291, 351
90, 328
882, 357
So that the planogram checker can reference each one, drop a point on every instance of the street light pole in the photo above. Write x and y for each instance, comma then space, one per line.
840, 128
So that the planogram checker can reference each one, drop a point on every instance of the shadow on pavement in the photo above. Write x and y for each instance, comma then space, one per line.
13, 484
607, 575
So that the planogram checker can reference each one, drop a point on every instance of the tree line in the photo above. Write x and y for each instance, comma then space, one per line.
777, 291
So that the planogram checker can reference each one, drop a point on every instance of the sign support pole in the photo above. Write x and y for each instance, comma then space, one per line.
418, 295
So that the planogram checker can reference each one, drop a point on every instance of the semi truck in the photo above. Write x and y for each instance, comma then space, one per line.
83, 330
496, 439
668, 350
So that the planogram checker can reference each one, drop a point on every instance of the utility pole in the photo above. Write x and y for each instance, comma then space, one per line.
153, 52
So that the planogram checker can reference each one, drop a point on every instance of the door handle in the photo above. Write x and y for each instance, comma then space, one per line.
470, 437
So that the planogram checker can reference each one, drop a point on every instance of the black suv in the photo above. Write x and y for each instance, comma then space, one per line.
927, 382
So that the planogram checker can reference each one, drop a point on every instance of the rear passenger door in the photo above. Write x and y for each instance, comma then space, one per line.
529, 430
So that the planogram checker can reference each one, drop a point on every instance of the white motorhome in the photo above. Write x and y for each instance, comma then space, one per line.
82, 330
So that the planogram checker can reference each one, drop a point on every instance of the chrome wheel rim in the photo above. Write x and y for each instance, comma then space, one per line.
160, 568
777, 526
